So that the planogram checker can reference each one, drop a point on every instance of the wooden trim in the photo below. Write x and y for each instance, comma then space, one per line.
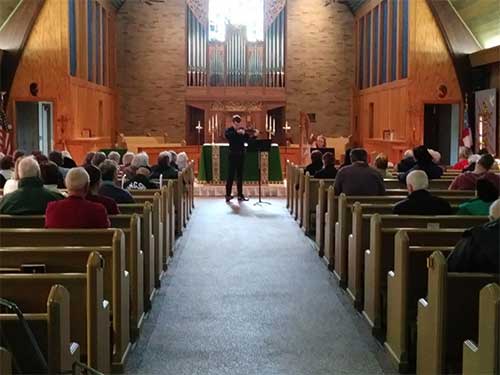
386, 86
372, 49
485, 57
390, 9
399, 44
380, 38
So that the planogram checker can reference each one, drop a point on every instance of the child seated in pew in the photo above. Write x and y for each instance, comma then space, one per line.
487, 193
420, 201
316, 163
328, 170
479, 248
76, 211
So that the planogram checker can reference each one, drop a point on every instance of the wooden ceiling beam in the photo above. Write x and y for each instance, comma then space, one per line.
485, 57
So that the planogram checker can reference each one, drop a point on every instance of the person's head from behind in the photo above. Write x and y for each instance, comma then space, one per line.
417, 180
173, 157
115, 156
422, 155
408, 154
28, 167
328, 159
98, 158
95, 178
56, 157
144, 171
236, 120
316, 157
485, 163
127, 158
381, 161
88, 158
182, 160
7, 163
109, 170
77, 182
359, 155
464, 153
50, 173
436, 156
140, 160
495, 210
164, 159
18, 154
486, 191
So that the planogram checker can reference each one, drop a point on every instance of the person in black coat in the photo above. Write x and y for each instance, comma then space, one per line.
328, 170
316, 163
424, 163
420, 201
477, 251
237, 136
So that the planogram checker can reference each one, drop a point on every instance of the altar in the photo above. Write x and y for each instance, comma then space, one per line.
213, 167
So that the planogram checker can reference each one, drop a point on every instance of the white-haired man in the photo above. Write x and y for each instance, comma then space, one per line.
420, 201
478, 250
115, 156
75, 211
407, 163
31, 198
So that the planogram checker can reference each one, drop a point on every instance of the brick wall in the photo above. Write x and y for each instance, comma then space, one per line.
151, 68
320, 65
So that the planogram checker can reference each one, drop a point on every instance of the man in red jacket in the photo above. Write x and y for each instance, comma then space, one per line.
75, 211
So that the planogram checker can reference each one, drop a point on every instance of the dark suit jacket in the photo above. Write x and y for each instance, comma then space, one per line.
327, 172
421, 202
109, 189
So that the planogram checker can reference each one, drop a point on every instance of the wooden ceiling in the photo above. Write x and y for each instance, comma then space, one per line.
6, 8
482, 17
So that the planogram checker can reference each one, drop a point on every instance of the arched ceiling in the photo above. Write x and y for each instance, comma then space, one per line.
482, 17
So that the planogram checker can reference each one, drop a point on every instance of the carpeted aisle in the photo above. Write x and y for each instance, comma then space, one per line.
246, 294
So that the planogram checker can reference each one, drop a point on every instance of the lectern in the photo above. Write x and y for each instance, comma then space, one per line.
260, 145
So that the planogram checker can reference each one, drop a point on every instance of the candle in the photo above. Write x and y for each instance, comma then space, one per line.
210, 125
267, 122
274, 126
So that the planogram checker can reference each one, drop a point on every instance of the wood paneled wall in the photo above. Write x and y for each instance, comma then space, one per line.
78, 104
399, 105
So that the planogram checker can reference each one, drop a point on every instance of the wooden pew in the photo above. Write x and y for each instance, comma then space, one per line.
447, 317
343, 227
481, 355
134, 257
287, 182
51, 329
311, 199
88, 310
440, 183
379, 259
321, 209
299, 194
89, 237
5, 361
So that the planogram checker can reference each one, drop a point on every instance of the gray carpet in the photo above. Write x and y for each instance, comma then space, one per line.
246, 294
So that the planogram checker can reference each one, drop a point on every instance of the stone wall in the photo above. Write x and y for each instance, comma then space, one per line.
320, 65
151, 68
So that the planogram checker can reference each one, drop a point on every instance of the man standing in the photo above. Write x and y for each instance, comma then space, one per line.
237, 136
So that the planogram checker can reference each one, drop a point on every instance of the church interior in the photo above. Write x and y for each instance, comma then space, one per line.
250, 187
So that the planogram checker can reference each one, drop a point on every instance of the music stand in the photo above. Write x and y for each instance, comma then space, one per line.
260, 145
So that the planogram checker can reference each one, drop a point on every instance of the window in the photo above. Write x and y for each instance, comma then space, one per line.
248, 13
404, 42
72, 38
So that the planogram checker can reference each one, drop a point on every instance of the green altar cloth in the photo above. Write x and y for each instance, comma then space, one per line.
269, 161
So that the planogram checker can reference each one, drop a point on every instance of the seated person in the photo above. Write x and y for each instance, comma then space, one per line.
6, 169
30, 198
68, 161
463, 158
57, 157
316, 163
182, 161
468, 180
115, 156
93, 194
381, 164
424, 162
75, 211
328, 170
108, 186
420, 201
487, 193
141, 180
407, 163
139, 160
98, 158
477, 251
164, 167
51, 176
88, 158
173, 160
126, 160
359, 178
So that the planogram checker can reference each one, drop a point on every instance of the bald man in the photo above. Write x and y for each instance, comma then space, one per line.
75, 211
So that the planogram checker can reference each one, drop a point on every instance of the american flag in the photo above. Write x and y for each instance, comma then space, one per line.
466, 131
5, 130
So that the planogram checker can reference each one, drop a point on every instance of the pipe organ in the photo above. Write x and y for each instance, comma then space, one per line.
236, 62
197, 39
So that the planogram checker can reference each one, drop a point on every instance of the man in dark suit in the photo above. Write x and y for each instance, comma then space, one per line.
237, 136
420, 201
